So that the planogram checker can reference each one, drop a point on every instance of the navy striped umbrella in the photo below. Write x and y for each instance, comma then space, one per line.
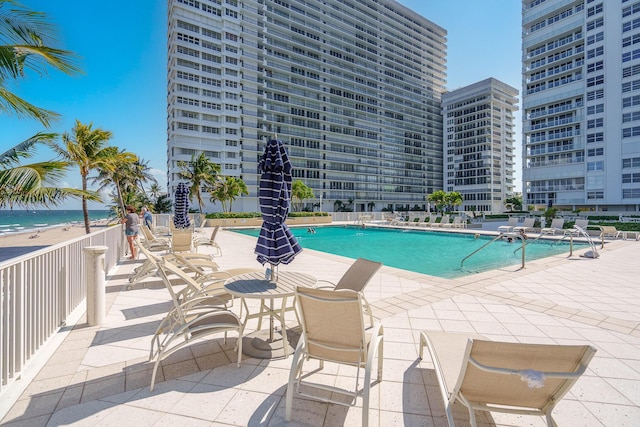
181, 207
276, 244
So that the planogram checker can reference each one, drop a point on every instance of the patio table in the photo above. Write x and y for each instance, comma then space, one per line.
256, 285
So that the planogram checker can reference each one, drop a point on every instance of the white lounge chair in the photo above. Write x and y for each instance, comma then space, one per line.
503, 376
208, 241
527, 225
512, 222
556, 225
444, 221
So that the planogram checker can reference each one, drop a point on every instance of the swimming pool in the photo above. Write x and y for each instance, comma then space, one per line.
434, 253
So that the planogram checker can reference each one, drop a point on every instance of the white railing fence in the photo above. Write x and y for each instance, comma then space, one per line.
39, 290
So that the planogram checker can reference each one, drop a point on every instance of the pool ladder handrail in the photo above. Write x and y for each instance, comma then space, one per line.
581, 232
499, 236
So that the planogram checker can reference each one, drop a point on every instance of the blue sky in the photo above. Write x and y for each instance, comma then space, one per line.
122, 45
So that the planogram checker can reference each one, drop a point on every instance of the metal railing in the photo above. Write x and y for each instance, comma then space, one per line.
39, 290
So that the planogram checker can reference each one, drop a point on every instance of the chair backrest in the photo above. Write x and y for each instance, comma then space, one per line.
557, 223
146, 252
181, 241
582, 223
432, 218
358, 275
445, 219
332, 324
608, 230
520, 375
529, 222
147, 233
214, 233
513, 221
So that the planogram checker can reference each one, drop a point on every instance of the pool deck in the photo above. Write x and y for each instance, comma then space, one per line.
100, 375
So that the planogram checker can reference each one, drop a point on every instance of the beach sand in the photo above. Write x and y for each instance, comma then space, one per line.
16, 244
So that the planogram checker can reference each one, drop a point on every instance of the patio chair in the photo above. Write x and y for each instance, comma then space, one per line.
556, 225
444, 221
512, 222
609, 232
429, 221
506, 377
188, 320
152, 242
208, 241
333, 331
181, 240
527, 225
356, 278
458, 222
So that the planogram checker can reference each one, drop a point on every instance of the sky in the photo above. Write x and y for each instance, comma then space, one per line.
122, 50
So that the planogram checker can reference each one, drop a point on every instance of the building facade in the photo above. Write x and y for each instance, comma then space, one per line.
352, 87
581, 104
479, 144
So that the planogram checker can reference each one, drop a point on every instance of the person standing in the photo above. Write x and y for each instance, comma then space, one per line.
131, 228
147, 217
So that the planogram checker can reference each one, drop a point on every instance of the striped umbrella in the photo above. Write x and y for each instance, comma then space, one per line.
276, 244
181, 207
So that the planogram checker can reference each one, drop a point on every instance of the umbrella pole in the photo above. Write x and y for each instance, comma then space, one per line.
271, 322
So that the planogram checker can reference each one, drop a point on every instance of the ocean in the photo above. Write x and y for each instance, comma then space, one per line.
18, 221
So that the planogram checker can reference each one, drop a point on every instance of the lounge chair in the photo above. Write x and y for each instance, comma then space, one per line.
356, 279
513, 221
428, 221
527, 225
501, 376
188, 320
458, 222
152, 242
556, 225
208, 241
333, 331
444, 221
609, 232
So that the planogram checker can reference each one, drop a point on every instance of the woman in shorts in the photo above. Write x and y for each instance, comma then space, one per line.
131, 222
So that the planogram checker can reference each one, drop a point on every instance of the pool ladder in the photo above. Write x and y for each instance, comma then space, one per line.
500, 236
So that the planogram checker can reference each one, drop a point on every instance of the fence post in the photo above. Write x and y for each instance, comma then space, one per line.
95, 280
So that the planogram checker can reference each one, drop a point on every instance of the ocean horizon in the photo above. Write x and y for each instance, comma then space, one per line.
25, 220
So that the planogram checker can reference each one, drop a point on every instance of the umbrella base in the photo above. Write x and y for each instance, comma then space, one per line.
258, 345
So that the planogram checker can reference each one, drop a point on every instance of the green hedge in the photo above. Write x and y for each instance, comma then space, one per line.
231, 215
304, 214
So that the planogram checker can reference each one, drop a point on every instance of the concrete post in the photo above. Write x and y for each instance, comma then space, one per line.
95, 279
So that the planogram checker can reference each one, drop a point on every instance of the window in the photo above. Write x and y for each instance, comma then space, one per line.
592, 152
595, 94
598, 51
595, 137
631, 117
187, 126
595, 109
631, 193
594, 10
596, 23
597, 80
595, 195
629, 178
629, 132
633, 162
595, 66
629, 56
595, 166
595, 123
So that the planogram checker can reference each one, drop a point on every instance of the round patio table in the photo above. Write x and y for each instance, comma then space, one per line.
256, 285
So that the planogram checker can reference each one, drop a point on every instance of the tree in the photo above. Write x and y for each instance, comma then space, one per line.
300, 192
119, 169
515, 202
453, 199
35, 183
25, 44
199, 171
228, 189
439, 199
25, 36
85, 147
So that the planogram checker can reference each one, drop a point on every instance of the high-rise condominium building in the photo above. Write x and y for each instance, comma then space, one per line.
479, 136
352, 87
581, 103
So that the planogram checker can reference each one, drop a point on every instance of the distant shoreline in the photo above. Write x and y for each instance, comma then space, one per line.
16, 244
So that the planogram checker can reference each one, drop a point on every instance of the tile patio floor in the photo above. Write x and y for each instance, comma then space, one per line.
99, 376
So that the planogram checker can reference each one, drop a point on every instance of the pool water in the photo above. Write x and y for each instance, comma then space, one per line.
435, 253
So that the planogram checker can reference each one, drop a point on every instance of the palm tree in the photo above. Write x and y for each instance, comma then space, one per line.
228, 189
35, 183
119, 169
25, 38
199, 171
300, 192
85, 147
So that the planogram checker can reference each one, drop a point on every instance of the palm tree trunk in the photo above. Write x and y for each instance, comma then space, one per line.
85, 209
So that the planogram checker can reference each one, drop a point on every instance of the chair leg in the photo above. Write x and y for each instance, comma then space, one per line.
296, 367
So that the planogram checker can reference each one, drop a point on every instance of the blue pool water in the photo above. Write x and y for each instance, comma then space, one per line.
434, 253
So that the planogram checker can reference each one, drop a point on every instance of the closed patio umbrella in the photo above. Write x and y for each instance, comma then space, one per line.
181, 207
276, 244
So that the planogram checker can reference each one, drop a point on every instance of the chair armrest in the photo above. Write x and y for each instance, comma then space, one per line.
324, 284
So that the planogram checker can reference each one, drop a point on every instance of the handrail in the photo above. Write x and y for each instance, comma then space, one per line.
500, 236
39, 291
